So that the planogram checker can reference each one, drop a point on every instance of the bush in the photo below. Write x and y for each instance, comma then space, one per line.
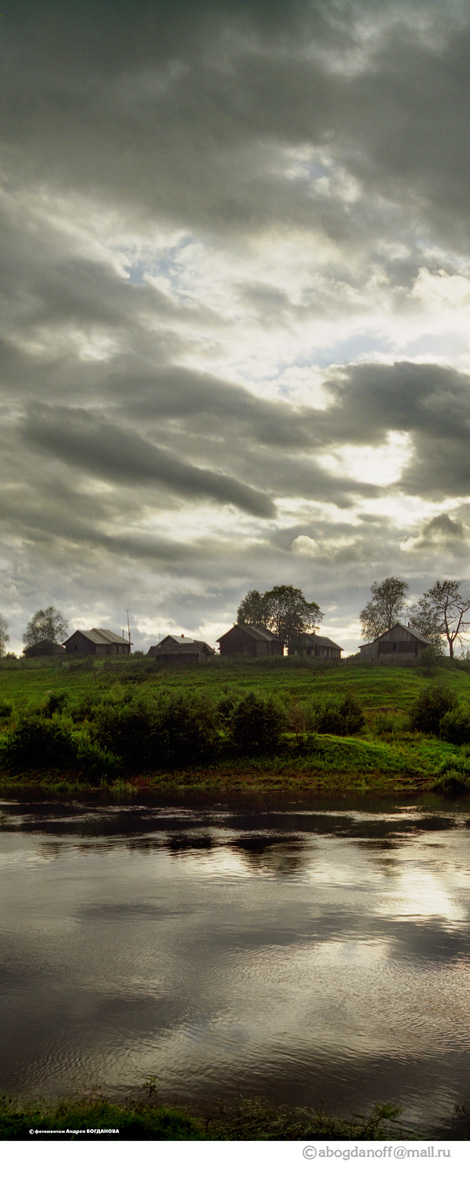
453, 777
95, 764
341, 718
38, 742
128, 729
187, 732
388, 725
428, 710
5, 708
146, 734
257, 724
56, 702
429, 660
225, 707
455, 726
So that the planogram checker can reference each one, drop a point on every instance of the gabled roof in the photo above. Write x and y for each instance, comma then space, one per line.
178, 640
323, 641
256, 633
411, 631
184, 644
100, 635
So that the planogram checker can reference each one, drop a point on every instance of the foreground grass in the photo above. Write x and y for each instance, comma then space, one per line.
88, 1117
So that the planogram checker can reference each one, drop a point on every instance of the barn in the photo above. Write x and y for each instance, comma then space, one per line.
244, 639
401, 643
98, 641
318, 647
44, 648
181, 650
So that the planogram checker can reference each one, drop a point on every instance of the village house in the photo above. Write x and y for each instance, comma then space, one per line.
318, 647
44, 648
395, 646
98, 641
181, 650
244, 639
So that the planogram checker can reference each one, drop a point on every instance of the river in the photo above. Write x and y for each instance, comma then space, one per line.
304, 955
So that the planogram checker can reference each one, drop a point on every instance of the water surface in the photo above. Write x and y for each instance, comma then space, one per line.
303, 956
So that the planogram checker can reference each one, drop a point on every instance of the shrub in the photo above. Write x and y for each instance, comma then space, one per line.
257, 724
5, 708
429, 708
187, 732
56, 702
95, 764
147, 734
38, 742
225, 707
453, 777
341, 718
388, 725
429, 660
128, 729
455, 725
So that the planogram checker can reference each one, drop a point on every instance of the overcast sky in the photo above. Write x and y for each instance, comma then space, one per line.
236, 294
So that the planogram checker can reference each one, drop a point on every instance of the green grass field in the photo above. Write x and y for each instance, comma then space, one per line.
386, 755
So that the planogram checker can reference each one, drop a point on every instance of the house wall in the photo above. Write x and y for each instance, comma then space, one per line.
399, 647
238, 643
79, 645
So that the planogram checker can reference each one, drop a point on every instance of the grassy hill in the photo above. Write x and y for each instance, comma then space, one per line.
385, 755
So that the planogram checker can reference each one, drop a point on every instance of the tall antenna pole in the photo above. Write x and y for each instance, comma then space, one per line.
128, 628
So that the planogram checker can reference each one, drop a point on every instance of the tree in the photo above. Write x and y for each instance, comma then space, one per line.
441, 612
46, 625
284, 610
384, 609
4, 637
253, 609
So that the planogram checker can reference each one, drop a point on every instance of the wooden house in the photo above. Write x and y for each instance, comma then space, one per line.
44, 648
244, 639
97, 642
179, 650
401, 643
318, 647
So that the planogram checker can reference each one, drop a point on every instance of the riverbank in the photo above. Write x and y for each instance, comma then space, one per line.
126, 731
97, 1117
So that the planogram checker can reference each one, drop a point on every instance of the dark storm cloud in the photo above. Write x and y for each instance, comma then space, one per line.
179, 109
237, 129
111, 453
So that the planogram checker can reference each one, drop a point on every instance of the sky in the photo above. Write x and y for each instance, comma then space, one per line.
235, 307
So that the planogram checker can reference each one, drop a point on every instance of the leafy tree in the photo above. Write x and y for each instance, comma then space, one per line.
4, 637
384, 609
441, 611
46, 625
254, 609
284, 610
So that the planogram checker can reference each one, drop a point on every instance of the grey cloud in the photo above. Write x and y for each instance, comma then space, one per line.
111, 453
440, 534
443, 526
180, 110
